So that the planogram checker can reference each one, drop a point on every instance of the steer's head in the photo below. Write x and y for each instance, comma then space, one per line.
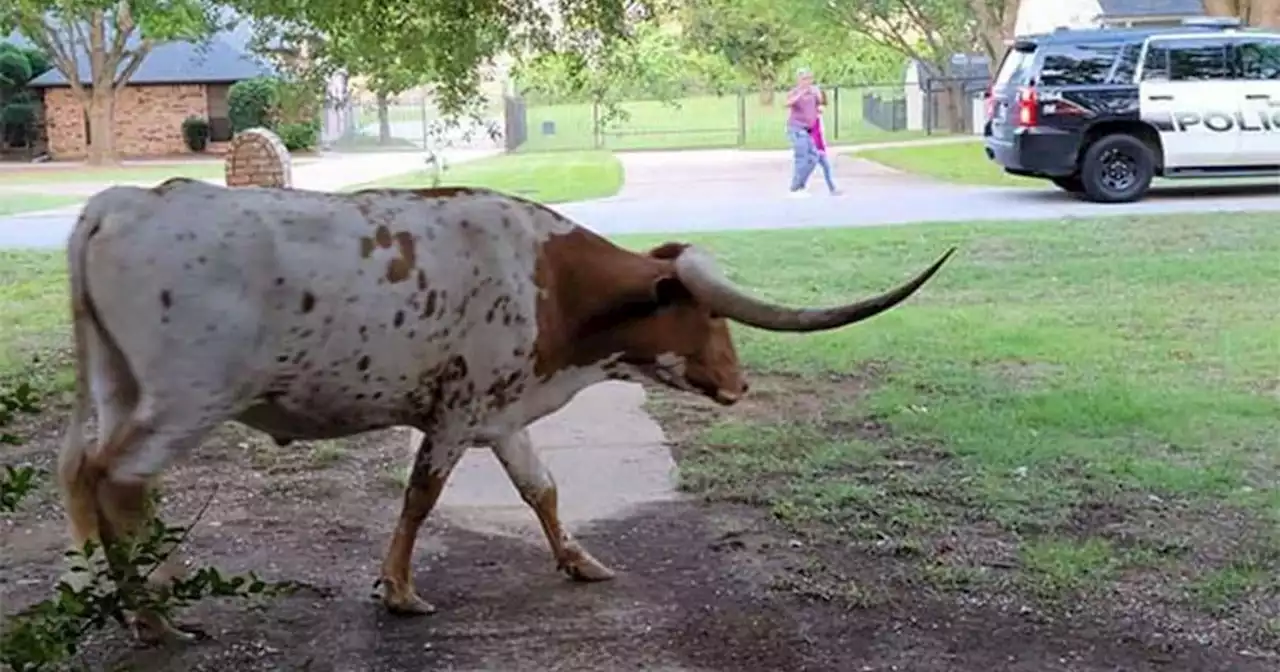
677, 330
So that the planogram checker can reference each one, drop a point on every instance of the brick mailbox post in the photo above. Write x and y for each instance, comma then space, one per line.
256, 157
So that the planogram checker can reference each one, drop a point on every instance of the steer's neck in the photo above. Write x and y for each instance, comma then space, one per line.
589, 292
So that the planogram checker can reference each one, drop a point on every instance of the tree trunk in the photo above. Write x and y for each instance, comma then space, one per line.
767, 89
102, 126
1237, 8
1264, 13
953, 102
384, 120
996, 21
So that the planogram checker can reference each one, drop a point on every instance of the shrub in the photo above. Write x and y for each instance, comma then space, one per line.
298, 100
18, 113
253, 103
15, 69
48, 633
195, 130
299, 135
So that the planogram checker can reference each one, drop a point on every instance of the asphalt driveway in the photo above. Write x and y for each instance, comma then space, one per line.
672, 192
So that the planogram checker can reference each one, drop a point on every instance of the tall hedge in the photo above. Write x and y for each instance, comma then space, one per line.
253, 103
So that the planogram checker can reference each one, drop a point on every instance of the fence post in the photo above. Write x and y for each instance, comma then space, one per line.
835, 113
742, 118
426, 133
930, 102
597, 136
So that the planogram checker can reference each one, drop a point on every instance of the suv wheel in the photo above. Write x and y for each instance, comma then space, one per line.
1117, 169
1071, 184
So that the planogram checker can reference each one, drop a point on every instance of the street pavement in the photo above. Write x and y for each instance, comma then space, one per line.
678, 192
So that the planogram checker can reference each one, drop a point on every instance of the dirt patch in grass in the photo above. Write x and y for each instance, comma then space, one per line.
904, 526
702, 586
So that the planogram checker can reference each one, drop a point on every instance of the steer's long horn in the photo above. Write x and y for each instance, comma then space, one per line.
704, 280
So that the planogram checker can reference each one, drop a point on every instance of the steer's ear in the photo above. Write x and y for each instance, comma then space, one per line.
668, 290
668, 250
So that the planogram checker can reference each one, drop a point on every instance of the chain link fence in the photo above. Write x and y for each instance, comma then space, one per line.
854, 114
406, 122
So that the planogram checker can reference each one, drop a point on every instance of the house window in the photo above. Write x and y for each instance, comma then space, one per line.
219, 117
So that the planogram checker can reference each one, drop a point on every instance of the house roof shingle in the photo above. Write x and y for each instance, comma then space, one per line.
1135, 8
178, 63
224, 57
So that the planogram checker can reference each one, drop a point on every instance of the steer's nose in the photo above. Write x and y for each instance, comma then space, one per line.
727, 398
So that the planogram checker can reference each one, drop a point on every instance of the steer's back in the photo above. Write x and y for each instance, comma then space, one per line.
316, 314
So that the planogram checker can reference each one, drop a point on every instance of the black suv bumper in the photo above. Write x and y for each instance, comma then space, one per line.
1036, 152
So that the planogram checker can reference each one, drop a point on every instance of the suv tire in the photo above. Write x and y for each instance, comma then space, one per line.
1117, 169
1071, 184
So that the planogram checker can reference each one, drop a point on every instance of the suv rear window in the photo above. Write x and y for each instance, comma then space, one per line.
1014, 67
1077, 64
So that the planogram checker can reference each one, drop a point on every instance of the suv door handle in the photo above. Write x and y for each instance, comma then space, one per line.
1257, 96
1165, 97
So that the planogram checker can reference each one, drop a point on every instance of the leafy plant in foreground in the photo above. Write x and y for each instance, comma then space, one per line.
49, 632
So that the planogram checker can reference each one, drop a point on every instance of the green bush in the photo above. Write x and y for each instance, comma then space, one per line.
299, 135
18, 113
195, 131
15, 69
253, 103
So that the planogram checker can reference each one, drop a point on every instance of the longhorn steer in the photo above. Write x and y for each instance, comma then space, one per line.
464, 313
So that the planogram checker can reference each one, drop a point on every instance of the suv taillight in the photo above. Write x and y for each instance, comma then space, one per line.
991, 102
1028, 107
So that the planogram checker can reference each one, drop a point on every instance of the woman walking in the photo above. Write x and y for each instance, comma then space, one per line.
803, 100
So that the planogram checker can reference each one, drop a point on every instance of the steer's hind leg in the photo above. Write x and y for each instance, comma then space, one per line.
119, 476
426, 481
538, 489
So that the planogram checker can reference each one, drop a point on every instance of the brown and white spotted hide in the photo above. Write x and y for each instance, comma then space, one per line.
310, 315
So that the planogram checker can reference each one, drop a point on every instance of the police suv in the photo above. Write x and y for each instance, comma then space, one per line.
1102, 111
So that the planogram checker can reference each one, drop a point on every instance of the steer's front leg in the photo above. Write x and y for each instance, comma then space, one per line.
538, 489
426, 482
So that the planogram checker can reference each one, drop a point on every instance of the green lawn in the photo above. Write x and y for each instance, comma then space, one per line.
12, 204
131, 173
34, 309
1083, 411
547, 178
1094, 402
960, 162
706, 121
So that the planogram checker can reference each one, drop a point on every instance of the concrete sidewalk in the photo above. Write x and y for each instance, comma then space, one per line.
606, 454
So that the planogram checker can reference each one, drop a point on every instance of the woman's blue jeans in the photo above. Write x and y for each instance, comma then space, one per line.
806, 155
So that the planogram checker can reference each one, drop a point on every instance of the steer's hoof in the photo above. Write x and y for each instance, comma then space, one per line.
405, 602
153, 630
580, 566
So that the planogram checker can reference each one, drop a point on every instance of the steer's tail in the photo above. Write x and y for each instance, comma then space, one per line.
78, 485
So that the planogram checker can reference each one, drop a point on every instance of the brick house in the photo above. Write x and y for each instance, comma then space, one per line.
1042, 16
177, 80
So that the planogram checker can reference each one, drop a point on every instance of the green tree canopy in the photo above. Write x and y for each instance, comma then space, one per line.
444, 42
757, 37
